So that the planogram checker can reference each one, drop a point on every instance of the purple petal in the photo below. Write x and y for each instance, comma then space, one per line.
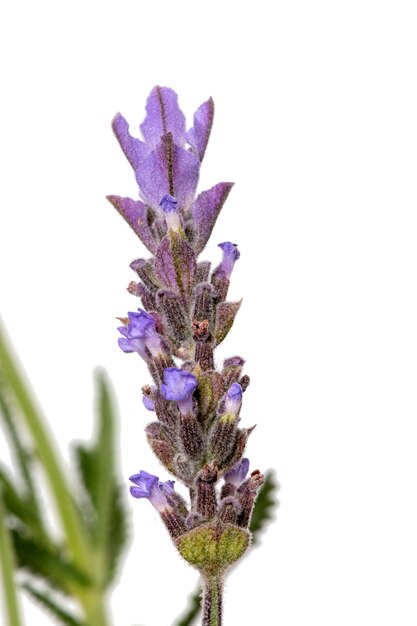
168, 170
144, 480
148, 403
237, 474
163, 116
175, 264
235, 393
205, 211
233, 399
178, 384
136, 215
132, 345
167, 487
198, 136
134, 149
141, 324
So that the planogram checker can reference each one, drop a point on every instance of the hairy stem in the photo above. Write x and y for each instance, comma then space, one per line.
212, 602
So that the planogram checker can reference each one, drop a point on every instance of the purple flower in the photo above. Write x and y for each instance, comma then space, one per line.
150, 487
149, 404
233, 399
237, 474
230, 255
179, 385
139, 334
169, 206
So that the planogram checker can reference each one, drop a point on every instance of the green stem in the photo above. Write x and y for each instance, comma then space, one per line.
7, 569
212, 602
76, 534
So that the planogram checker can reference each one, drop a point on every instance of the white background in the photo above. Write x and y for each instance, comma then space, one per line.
316, 123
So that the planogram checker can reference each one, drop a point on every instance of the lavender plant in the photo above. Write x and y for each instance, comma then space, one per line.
196, 434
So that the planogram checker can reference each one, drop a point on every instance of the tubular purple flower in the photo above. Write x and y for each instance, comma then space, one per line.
148, 403
169, 206
230, 256
140, 333
179, 385
233, 399
148, 486
237, 475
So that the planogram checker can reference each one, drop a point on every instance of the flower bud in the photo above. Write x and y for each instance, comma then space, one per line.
170, 304
232, 369
206, 500
246, 494
169, 205
229, 510
146, 273
202, 272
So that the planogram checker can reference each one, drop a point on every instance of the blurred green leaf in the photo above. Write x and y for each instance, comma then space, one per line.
47, 453
104, 511
16, 504
192, 611
118, 533
63, 616
7, 571
24, 457
50, 564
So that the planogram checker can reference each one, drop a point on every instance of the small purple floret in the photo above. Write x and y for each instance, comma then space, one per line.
149, 486
230, 255
233, 399
237, 474
149, 404
169, 204
139, 334
179, 385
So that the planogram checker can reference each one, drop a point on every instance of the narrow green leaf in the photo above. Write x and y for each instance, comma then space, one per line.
104, 454
46, 450
118, 533
20, 507
50, 565
63, 616
192, 611
8, 572
104, 512
24, 457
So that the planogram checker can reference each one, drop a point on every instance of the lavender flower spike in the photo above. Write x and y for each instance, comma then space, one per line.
197, 437
179, 385
230, 255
